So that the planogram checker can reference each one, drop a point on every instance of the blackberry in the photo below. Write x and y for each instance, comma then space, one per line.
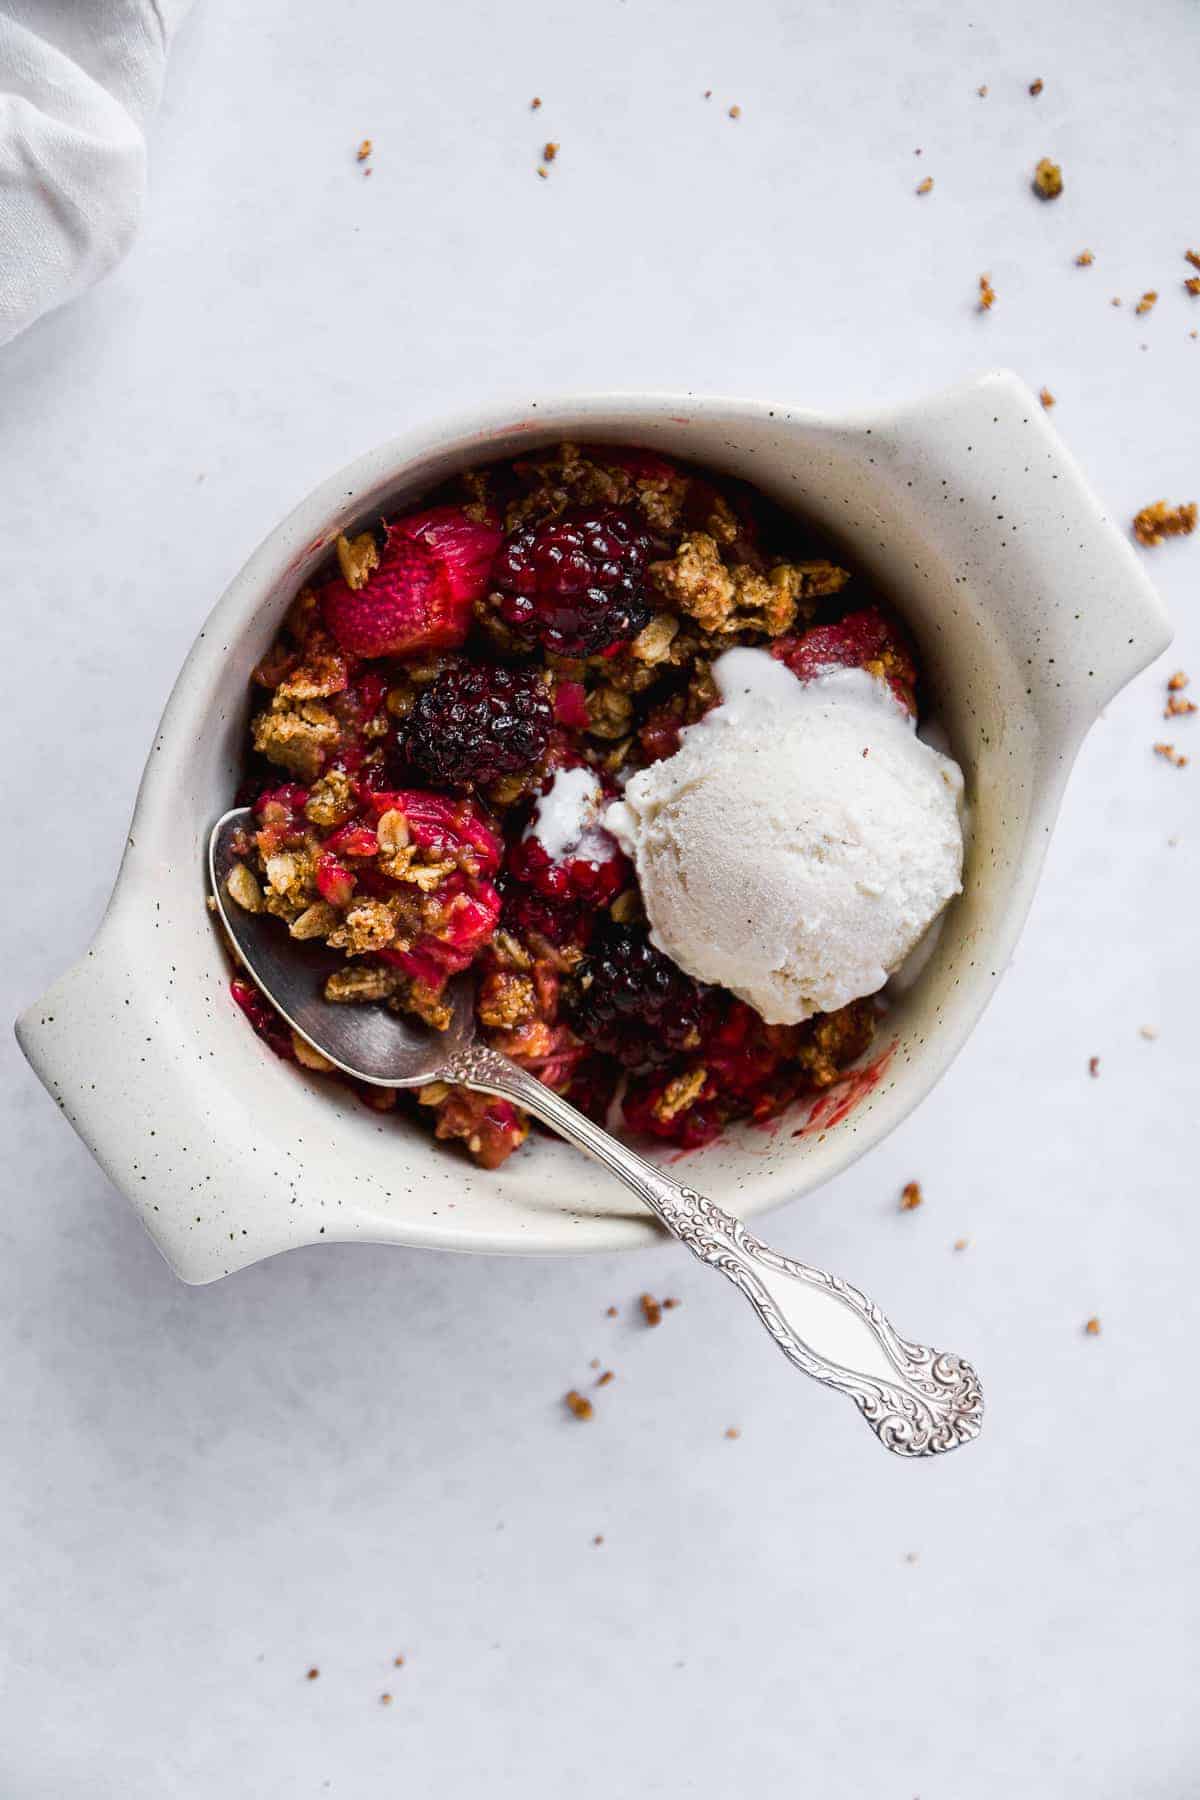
475, 724
634, 1003
575, 583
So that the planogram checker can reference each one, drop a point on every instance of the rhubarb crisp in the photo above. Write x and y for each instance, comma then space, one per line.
450, 706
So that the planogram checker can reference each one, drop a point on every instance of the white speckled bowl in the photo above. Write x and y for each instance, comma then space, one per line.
1031, 611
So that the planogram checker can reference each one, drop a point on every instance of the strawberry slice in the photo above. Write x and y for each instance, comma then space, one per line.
867, 639
434, 566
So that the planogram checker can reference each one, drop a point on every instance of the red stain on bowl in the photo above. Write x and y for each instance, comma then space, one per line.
839, 1101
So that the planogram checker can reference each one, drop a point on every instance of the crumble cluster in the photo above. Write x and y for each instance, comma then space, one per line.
554, 613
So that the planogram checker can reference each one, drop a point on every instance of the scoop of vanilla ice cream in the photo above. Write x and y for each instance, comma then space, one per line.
799, 843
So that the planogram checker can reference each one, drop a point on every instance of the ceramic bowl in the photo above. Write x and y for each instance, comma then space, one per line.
1030, 610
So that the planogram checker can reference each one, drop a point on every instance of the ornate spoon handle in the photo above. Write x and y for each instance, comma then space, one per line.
917, 1401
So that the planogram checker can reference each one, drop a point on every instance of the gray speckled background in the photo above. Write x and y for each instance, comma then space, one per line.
347, 1453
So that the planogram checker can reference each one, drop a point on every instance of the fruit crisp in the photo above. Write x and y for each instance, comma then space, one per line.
447, 709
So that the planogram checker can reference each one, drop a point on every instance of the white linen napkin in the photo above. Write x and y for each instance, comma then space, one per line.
79, 79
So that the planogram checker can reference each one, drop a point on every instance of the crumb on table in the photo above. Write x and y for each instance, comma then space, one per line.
1085, 259
603, 1379
1149, 1032
735, 112
1093, 1066
1161, 520
549, 152
652, 1310
312, 1674
1178, 760
1192, 285
1192, 256
1046, 398
987, 294
1092, 1328
911, 1196
733, 1431
926, 186
1035, 87
961, 1243
1147, 302
610, 1312
1048, 179
364, 150
579, 1404
982, 91
535, 103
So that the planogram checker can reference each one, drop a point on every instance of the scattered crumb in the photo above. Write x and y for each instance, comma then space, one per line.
364, 150
397, 1662
962, 1243
1149, 1032
733, 1431
1115, 301
708, 93
1178, 708
595, 1363
385, 1699
912, 1556
1161, 520
1193, 334
987, 294
312, 1674
1192, 256
535, 103
549, 152
599, 1538
926, 186
1192, 284
670, 1302
1085, 259
1093, 1066
735, 112
1046, 398
1177, 682
543, 172
610, 1312
1147, 302
1092, 1328
1048, 179
604, 1379
982, 92
1035, 87
579, 1405
1170, 754
651, 1310
910, 1196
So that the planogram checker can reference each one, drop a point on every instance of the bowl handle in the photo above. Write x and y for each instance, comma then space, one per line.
987, 485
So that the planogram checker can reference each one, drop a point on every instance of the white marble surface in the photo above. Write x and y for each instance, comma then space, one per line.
348, 1454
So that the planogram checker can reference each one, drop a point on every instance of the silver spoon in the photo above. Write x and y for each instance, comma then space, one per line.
918, 1402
